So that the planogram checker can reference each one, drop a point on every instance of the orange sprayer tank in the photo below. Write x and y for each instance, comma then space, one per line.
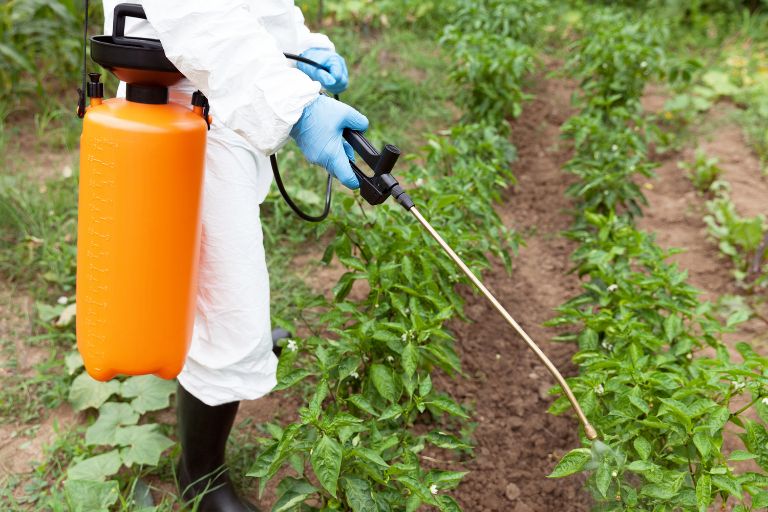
141, 176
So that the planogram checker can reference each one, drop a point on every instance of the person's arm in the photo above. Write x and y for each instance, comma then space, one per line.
221, 47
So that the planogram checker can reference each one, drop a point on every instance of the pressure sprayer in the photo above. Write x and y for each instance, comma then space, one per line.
142, 161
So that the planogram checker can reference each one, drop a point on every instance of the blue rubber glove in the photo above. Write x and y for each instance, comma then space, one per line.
318, 135
334, 82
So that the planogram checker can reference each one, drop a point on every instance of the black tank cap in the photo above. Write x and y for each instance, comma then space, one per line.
199, 99
95, 88
146, 95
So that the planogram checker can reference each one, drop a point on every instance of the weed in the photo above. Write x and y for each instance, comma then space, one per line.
703, 172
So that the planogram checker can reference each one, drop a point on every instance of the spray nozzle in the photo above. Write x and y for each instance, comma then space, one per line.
377, 188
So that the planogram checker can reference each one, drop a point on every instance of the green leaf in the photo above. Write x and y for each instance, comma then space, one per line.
393, 411
643, 447
418, 489
703, 444
326, 462
444, 480
291, 379
142, 444
74, 362
358, 492
410, 359
679, 411
362, 403
738, 455
413, 503
657, 491
368, 455
737, 318
728, 484
571, 463
603, 478
760, 500
97, 468
673, 326
446, 404
91, 496
348, 365
703, 492
384, 382
292, 497
297, 463
443, 440
87, 392
448, 504
425, 387
111, 416
286, 361
316, 403
152, 393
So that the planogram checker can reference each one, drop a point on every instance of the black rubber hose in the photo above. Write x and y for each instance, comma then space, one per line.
291, 204
276, 171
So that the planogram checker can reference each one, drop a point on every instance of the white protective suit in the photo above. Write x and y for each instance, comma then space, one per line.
231, 50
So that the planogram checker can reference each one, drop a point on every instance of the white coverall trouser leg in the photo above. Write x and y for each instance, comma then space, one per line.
231, 357
231, 354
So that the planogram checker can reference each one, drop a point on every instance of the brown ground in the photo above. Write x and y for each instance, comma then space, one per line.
518, 443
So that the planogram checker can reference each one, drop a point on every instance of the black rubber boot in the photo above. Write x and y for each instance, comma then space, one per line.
278, 333
203, 432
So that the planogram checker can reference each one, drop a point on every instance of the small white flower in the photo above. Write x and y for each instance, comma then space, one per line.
765, 401
407, 311
739, 385
433, 489
689, 355
613, 288
614, 474
390, 359
50, 213
599, 389
354, 375
643, 64
615, 147
66, 171
419, 182
498, 356
292, 346
631, 167
365, 358
404, 337
62, 300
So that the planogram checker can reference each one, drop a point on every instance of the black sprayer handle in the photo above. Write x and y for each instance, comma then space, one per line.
377, 188
381, 163
123, 11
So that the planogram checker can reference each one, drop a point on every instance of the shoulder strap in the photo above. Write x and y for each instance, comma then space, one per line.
81, 92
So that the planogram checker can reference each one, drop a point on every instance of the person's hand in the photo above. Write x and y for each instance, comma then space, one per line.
318, 135
336, 78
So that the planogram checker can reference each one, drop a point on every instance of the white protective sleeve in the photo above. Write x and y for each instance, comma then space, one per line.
225, 48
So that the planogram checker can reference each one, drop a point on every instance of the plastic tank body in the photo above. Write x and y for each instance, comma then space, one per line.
141, 176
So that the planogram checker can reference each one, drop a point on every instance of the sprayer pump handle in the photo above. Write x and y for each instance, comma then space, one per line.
123, 11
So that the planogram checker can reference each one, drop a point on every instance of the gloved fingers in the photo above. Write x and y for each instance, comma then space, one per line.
336, 67
326, 79
354, 120
343, 171
348, 150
